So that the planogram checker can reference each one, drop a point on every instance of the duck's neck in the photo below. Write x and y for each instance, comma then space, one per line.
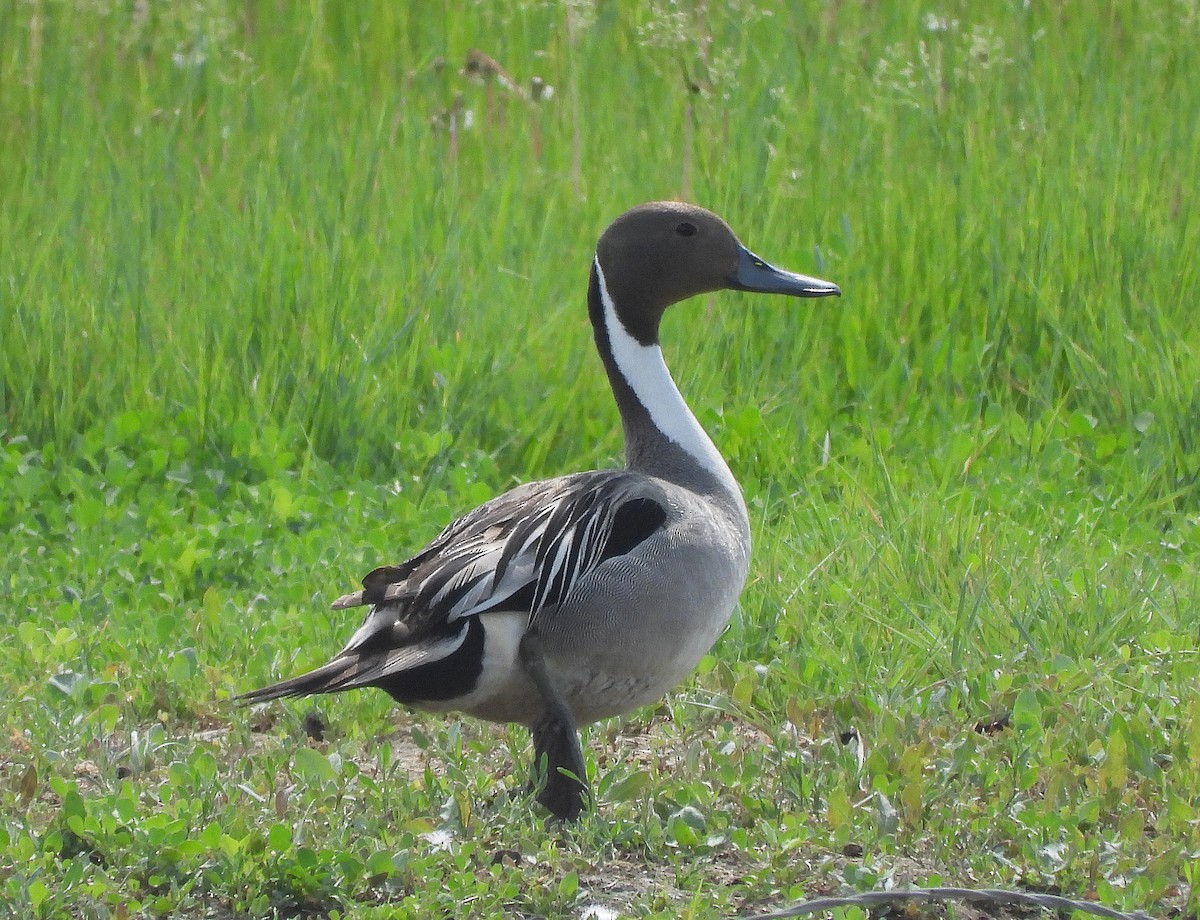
662, 436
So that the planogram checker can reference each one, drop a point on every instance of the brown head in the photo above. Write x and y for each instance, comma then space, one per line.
660, 253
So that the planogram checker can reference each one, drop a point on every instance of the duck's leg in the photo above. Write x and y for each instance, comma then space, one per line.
555, 736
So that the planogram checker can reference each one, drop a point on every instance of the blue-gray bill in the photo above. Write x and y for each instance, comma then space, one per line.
754, 274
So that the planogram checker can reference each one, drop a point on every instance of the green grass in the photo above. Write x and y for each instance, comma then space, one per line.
266, 321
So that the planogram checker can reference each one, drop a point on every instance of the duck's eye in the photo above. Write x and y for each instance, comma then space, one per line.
686, 229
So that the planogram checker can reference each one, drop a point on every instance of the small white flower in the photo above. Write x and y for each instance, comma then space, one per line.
936, 23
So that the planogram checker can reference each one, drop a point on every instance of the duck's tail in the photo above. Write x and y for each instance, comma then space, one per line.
338, 674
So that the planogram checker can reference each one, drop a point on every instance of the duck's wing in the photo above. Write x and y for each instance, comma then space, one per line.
523, 551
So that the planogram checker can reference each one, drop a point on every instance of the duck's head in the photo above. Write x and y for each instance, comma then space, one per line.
663, 252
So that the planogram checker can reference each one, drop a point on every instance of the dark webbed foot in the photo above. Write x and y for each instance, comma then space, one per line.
556, 747
555, 741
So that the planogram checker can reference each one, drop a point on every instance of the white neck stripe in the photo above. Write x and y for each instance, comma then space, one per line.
644, 370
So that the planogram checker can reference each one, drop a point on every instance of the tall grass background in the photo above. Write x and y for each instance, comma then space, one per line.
257, 214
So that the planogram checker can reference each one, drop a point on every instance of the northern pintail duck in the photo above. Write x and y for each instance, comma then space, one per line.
578, 598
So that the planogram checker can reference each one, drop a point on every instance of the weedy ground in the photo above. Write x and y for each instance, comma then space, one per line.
284, 287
